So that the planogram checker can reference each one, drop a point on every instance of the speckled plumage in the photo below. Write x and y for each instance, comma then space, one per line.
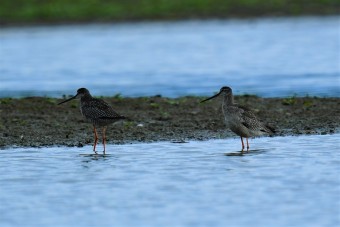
96, 111
239, 119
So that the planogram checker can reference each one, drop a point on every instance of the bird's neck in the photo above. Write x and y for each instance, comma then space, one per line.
228, 100
86, 97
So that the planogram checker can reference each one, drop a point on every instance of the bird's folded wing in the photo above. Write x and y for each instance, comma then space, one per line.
99, 109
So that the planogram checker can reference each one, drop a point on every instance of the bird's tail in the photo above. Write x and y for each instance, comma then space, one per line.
270, 130
119, 117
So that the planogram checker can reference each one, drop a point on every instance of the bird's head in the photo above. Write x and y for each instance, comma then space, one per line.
225, 91
80, 93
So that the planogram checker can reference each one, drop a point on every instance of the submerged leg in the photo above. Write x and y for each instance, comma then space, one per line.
104, 138
247, 144
242, 143
95, 139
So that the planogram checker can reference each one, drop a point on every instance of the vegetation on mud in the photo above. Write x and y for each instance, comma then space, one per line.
38, 121
63, 11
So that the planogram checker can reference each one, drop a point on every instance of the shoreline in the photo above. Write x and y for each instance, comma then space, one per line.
40, 122
159, 20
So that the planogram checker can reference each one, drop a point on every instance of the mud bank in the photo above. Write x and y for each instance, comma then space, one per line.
37, 121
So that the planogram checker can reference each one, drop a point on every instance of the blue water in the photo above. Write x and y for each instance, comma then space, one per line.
283, 181
268, 57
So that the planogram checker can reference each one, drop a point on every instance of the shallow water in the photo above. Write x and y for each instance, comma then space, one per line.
283, 181
268, 57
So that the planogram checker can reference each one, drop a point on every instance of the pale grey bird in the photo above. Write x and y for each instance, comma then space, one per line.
96, 111
239, 119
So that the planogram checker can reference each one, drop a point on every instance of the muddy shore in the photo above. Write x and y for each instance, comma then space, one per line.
38, 121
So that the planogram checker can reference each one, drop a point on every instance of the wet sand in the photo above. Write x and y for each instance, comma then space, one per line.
38, 121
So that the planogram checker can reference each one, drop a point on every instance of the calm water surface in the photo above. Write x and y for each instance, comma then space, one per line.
284, 181
268, 57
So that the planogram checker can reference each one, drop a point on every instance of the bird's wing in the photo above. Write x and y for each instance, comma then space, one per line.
250, 121
97, 108
246, 111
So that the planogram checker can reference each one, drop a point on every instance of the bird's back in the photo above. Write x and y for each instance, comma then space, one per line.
99, 112
242, 121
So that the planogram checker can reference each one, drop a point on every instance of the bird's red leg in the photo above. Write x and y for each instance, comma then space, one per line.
242, 143
95, 139
247, 145
104, 137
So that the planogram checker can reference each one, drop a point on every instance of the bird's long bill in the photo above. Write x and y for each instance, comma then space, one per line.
68, 100
211, 97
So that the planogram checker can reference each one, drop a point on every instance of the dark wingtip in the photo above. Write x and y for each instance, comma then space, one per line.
271, 129
120, 117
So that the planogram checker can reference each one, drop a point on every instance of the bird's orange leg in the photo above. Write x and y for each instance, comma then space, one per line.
95, 139
242, 143
104, 138
247, 145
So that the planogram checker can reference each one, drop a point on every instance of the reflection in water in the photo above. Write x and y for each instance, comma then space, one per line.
250, 152
150, 184
96, 157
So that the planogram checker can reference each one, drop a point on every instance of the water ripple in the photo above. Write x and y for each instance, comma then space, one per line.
268, 57
208, 183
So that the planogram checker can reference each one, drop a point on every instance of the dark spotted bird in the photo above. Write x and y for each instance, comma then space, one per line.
96, 111
239, 119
